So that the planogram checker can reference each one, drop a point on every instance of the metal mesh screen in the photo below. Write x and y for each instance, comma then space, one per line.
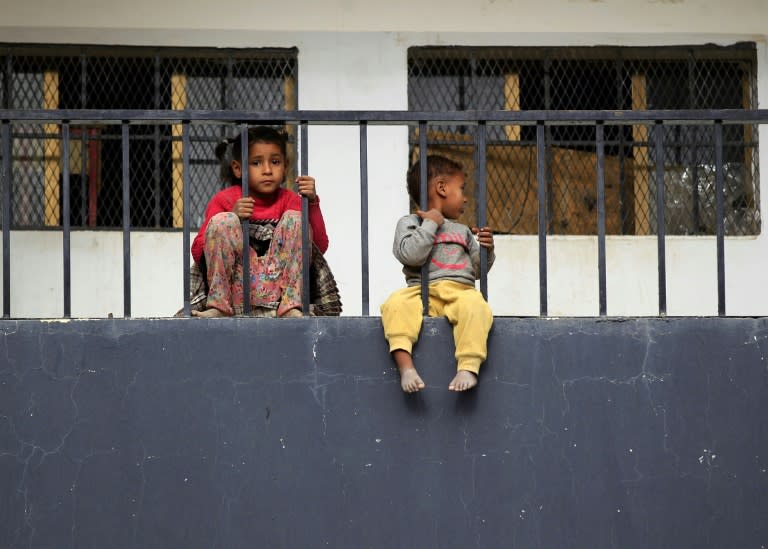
600, 78
90, 77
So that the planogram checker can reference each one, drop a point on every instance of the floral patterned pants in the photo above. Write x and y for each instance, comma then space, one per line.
276, 276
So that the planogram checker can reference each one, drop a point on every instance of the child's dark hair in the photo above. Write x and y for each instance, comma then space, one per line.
436, 165
231, 149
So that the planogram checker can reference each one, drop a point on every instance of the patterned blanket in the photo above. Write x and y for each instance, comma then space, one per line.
324, 298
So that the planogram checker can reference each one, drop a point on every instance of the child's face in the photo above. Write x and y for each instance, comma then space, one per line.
266, 168
454, 201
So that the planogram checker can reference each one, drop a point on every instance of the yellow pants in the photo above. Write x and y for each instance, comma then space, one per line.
461, 304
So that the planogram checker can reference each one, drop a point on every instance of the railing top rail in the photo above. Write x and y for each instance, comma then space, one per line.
388, 117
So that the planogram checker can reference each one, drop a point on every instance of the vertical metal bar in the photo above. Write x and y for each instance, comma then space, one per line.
65, 223
364, 216
696, 214
126, 221
156, 145
720, 209
658, 135
185, 214
83, 178
306, 248
541, 169
600, 138
244, 224
6, 177
93, 176
423, 205
480, 144
156, 174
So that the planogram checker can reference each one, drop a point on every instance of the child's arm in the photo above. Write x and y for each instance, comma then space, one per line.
316, 221
414, 239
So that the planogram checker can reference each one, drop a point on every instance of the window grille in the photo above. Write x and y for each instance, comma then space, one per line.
597, 78
93, 77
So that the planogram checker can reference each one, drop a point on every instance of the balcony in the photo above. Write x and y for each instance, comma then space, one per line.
598, 431
649, 124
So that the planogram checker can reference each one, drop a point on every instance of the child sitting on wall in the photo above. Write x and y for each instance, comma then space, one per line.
275, 250
453, 256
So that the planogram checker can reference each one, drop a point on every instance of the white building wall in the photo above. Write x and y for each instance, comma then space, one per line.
352, 55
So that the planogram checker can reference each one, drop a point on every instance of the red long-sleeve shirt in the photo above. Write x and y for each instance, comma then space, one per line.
263, 210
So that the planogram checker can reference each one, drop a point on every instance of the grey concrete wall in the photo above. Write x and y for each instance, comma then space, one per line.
294, 433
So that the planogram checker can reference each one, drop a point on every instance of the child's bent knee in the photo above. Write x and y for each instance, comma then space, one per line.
474, 298
223, 220
291, 215
473, 303
399, 299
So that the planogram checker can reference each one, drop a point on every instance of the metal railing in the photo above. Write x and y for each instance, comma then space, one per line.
364, 119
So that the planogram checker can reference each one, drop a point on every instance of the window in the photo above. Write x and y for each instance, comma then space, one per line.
597, 78
91, 77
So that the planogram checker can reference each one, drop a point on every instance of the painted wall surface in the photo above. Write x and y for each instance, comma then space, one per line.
156, 270
199, 433
647, 16
352, 55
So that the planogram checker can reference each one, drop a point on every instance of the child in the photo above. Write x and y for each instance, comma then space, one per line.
275, 266
454, 265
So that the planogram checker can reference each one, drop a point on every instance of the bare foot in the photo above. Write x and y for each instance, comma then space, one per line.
410, 381
464, 380
209, 313
292, 313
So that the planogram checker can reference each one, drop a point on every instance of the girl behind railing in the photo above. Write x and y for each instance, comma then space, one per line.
274, 215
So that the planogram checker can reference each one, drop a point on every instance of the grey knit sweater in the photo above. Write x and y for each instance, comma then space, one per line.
452, 250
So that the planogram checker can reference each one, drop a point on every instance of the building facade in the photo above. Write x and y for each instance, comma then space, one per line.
356, 56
